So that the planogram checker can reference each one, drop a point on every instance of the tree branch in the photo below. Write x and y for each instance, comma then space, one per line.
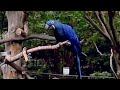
97, 49
111, 22
19, 69
16, 67
15, 58
35, 36
10, 60
82, 41
102, 24
95, 25
106, 25
111, 56
111, 66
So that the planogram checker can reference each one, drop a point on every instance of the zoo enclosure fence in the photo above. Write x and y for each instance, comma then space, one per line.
61, 76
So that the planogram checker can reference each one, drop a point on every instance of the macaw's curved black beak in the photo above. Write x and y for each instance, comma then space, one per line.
49, 27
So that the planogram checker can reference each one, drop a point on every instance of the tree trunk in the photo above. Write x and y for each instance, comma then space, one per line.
116, 56
15, 22
109, 32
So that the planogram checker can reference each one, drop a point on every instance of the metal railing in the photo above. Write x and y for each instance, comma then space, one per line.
61, 76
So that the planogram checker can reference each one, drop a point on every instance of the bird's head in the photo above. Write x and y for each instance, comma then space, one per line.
50, 25
53, 24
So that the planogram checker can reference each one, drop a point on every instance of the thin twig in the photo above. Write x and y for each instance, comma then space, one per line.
84, 54
97, 49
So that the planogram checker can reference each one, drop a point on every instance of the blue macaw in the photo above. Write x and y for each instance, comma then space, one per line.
64, 32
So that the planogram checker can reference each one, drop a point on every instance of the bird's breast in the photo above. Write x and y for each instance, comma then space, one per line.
59, 35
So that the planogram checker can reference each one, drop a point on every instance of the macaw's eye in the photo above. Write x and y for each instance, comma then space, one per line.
52, 22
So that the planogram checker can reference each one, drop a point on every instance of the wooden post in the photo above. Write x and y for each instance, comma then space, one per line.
17, 27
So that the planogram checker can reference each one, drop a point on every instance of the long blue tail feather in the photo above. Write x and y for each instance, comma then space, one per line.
78, 67
77, 52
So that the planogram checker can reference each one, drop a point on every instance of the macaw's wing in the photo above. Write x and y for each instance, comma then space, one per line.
71, 36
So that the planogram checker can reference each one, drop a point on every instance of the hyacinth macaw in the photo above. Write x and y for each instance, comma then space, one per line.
64, 32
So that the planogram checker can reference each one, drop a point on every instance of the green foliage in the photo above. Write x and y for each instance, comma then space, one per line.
61, 65
117, 21
40, 66
75, 18
101, 75
43, 67
84, 30
1, 76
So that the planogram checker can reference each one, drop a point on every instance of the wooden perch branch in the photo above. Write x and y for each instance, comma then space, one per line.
35, 36
15, 58
10, 60
19, 69
16, 67
25, 54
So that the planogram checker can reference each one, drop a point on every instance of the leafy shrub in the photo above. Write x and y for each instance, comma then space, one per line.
101, 75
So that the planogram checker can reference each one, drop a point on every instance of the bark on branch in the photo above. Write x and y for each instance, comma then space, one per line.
19, 69
15, 58
111, 66
35, 36
111, 22
101, 20
10, 60
101, 54
101, 16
